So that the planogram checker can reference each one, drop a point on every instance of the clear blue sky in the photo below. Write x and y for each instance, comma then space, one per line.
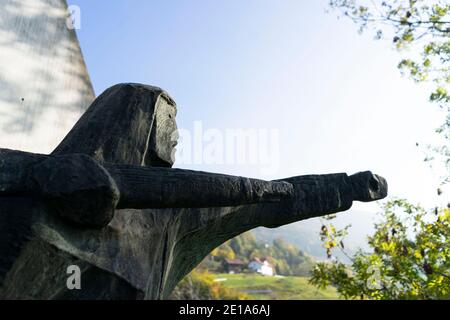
336, 97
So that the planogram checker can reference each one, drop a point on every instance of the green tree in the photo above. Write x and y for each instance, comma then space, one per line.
410, 257
410, 249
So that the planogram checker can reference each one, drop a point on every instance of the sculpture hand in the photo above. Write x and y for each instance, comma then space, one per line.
368, 187
320, 195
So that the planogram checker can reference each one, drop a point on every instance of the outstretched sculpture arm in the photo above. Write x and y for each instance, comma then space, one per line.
147, 187
82, 190
86, 192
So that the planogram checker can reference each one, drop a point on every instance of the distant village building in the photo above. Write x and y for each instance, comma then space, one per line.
262, 266
234, 265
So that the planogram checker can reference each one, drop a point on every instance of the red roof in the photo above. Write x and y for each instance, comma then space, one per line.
235, 262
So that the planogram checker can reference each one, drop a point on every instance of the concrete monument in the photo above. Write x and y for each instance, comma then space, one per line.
44, 84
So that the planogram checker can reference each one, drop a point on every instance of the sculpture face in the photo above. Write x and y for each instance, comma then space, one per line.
164, 136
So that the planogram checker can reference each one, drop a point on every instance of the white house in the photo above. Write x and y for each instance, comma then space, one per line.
262, 266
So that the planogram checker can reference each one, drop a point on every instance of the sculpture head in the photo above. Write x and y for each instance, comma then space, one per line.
129, 123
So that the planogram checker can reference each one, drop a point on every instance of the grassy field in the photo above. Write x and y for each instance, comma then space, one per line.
275, 288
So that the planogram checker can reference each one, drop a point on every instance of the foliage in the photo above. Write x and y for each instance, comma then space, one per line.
410, 258
410, 247
201, 286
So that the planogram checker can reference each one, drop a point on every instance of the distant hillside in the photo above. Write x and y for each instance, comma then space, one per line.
286, 258
292, 249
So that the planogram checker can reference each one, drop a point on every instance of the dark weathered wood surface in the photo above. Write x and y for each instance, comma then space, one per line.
145, 187
85, 192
